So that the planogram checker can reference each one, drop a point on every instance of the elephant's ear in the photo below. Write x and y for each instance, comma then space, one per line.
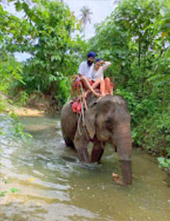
90, 116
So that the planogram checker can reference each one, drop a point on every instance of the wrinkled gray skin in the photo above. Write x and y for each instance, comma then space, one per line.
106, 121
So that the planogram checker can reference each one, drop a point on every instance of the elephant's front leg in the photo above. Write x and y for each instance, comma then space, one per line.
81, 141
97, 152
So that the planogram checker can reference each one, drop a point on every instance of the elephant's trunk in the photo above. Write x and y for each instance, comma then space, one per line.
126, 172
123, 142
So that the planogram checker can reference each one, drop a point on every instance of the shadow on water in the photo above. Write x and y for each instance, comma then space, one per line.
52, 185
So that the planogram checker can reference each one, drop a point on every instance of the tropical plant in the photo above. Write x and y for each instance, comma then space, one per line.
85, 17
48, 39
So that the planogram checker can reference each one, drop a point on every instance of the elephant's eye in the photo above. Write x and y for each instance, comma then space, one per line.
109, 124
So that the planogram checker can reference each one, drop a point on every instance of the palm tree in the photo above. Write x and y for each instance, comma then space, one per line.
85, 17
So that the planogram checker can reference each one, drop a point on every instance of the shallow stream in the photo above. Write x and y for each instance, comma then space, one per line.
44, 180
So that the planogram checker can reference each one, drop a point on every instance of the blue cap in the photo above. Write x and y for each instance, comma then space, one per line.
98, 59
91, 54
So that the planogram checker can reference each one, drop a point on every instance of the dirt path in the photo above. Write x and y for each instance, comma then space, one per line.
21, 111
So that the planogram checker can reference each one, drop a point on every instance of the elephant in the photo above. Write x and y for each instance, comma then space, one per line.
106, 120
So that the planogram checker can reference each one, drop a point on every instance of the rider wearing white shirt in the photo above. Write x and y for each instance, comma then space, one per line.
86, 70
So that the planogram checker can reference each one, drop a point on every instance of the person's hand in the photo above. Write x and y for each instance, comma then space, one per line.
102, 62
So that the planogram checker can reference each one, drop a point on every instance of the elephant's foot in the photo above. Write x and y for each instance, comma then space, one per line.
126, 173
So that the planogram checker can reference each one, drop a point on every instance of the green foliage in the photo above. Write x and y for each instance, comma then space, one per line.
165, 163
17, 129
45, 33
12, 190
10, 71
14, 127
64, 91
3, 193
23, 98
154, 133
136, 39
47, 37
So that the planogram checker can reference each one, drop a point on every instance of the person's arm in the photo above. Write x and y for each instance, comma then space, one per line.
106, 64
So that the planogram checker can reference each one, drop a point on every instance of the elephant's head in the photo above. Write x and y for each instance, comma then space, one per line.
109, 120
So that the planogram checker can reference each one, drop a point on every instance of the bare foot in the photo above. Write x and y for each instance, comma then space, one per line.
86, 94
97, 95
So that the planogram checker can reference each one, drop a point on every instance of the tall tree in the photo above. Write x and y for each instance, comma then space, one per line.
85, 17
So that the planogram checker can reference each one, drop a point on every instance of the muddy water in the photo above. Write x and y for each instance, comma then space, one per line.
50, 184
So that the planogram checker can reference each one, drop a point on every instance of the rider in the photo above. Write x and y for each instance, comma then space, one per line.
85, 73
105, 84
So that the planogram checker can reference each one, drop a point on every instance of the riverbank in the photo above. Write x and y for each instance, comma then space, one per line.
36, 106
28, 112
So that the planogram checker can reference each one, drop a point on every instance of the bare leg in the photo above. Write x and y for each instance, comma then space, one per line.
102, 88
94, 86
108, 86
96, 83
88, 86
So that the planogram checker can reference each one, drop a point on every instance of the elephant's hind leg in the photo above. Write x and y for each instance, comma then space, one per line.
97, 152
